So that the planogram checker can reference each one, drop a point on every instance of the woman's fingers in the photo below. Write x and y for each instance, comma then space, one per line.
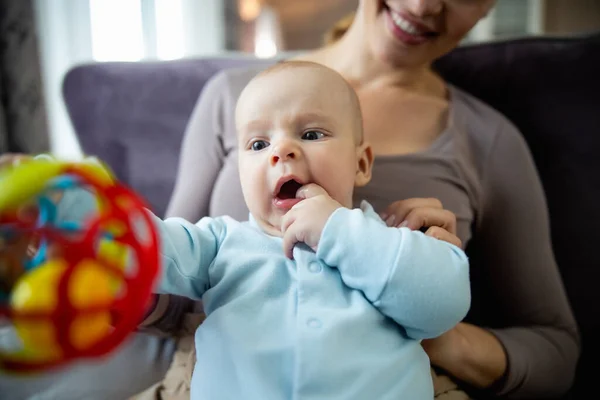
444, 235
12, 159
430, 217
397, 211
419, 213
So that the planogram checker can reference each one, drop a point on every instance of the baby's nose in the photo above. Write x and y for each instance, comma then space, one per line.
283, 152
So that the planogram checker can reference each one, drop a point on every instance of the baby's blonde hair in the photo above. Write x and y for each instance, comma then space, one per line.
352, 96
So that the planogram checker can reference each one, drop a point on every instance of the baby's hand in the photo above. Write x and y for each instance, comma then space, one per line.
304, 223
13, 253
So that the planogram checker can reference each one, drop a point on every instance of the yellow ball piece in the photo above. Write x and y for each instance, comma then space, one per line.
97, 169
38, 292
19, 184
90, 286
113, 252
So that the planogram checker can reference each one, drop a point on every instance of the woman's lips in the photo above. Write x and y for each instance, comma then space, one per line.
406, 31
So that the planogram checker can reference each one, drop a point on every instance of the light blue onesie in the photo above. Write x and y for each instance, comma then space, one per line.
342, 323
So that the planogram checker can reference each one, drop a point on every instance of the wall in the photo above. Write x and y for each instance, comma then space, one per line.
305, 22
571, 16
64, 31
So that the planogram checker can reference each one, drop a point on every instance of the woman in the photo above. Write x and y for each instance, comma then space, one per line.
431, 140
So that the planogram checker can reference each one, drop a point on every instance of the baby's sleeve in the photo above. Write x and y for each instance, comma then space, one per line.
420, 282
186, 250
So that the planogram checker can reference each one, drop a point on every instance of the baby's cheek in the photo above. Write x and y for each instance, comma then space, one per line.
341, 186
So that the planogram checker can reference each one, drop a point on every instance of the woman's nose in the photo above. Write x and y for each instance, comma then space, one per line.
424, 8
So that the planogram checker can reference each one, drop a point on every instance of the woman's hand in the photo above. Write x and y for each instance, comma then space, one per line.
469, 353
12, 159
13, 253
429, 214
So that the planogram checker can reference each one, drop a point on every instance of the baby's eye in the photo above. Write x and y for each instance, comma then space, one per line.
313, 135
259, 145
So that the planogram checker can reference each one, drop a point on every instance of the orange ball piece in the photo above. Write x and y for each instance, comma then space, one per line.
88, 286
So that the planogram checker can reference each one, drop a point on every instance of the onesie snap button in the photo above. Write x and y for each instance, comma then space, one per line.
314, 267
314, 323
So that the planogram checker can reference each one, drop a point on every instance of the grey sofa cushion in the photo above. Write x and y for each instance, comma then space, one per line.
133, 116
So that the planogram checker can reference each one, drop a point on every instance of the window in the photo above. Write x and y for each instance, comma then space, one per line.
131, 30
170, 43
509, 19
116, 30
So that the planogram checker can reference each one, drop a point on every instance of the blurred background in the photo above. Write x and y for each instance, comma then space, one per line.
40, 40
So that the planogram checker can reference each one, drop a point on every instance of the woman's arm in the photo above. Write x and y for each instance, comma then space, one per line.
200, 161
469, 353
201, 156
533, 347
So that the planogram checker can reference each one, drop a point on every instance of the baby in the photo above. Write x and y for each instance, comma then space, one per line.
309, 298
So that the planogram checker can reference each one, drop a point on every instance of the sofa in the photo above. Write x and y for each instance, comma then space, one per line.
133, 116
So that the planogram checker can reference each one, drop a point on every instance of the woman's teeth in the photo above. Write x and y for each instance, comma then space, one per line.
405, 25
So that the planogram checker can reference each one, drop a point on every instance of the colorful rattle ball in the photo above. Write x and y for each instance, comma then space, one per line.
71, 287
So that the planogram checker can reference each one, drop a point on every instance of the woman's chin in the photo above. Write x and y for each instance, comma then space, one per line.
397, 56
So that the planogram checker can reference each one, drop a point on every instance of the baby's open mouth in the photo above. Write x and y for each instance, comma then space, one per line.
288, 190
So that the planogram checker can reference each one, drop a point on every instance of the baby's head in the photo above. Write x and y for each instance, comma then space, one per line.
298, 123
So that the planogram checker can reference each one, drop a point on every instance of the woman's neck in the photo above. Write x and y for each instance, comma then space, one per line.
353, 59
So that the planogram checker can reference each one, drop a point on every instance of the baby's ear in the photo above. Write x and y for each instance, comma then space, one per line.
364, 157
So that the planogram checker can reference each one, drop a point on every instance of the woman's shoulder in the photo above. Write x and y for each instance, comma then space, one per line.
231, 81
483, 125
216, 102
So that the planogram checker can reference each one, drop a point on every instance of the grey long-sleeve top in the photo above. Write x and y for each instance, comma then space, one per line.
481, 169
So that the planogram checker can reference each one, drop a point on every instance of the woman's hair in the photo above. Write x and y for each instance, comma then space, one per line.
339, 29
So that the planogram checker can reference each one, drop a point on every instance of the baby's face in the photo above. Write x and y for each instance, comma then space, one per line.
296, 126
